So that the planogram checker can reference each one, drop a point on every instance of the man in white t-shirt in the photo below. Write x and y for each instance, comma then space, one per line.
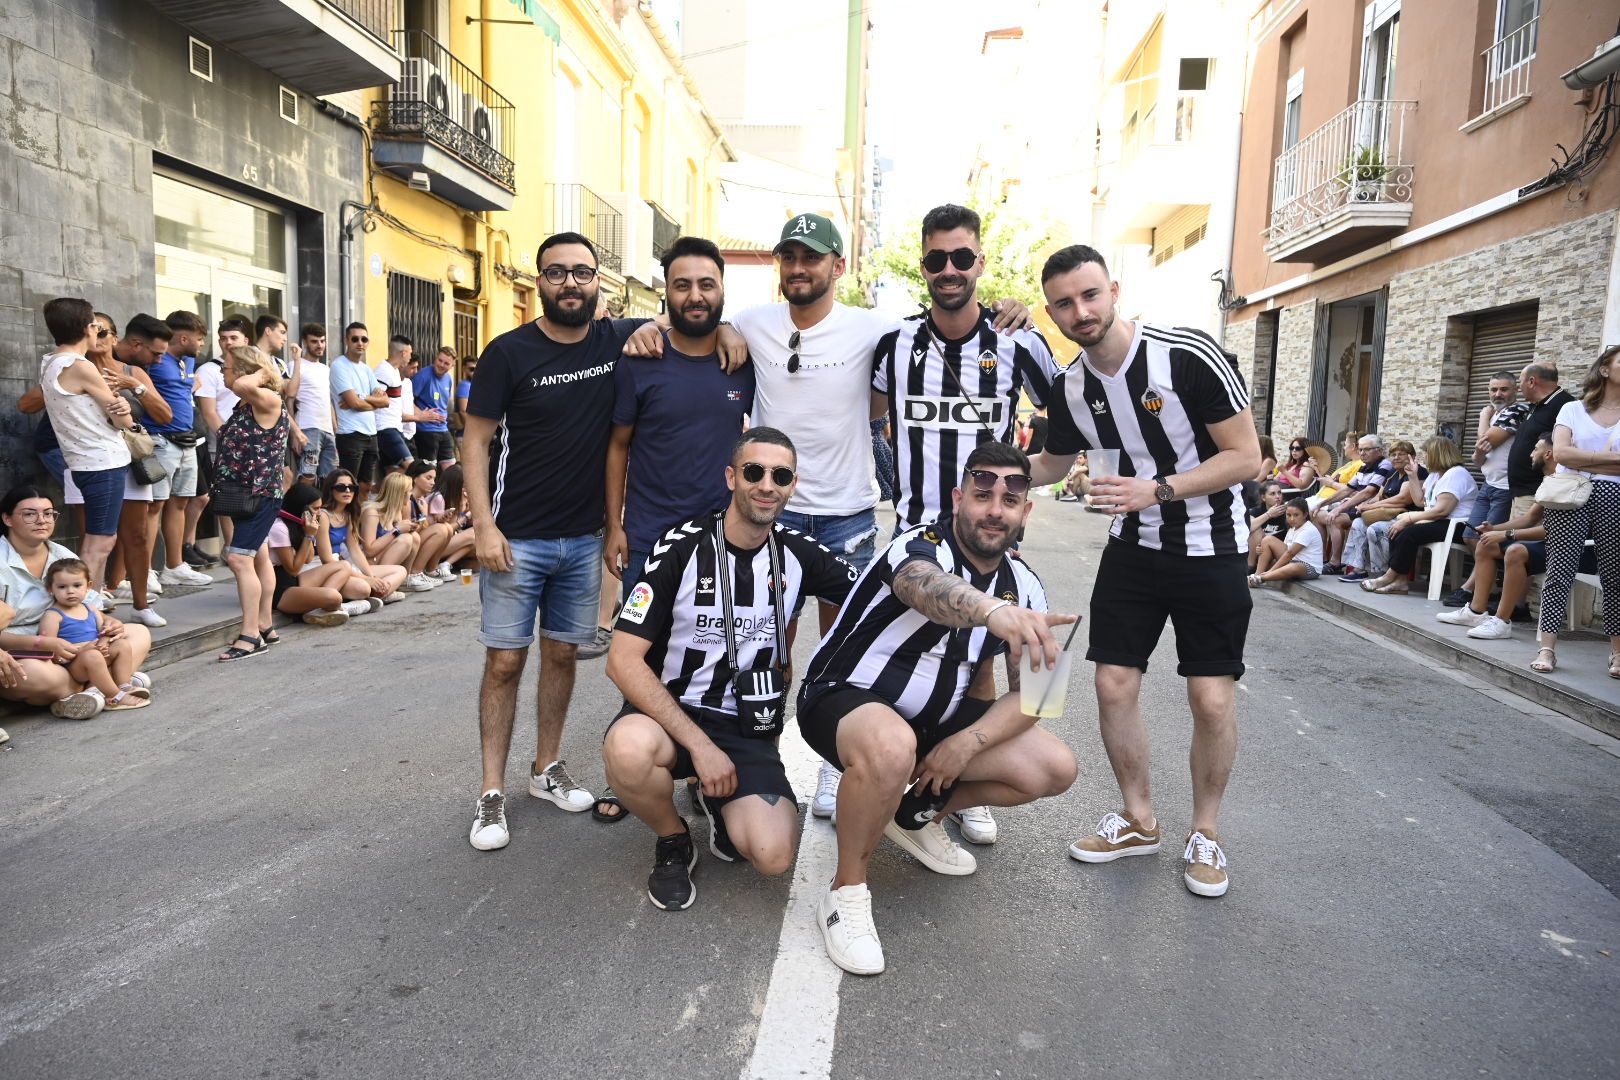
313, 405
393, 452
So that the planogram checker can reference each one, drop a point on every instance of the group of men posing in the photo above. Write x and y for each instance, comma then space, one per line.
724, 472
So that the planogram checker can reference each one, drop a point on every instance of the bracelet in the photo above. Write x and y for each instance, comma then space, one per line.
994, 609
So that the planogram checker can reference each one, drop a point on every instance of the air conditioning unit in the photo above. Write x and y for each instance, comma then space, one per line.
484, 123
421, 81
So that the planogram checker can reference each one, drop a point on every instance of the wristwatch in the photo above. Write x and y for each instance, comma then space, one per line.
140, 389
1164, 492
1510, 536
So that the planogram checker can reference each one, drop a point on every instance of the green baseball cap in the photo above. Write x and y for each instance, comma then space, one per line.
814, 232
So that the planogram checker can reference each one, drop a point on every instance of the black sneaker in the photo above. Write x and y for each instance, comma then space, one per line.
670, 884
1521, 614
719, 841
1459, 598
194, 557
599, 647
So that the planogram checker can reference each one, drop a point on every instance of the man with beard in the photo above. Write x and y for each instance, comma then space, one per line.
314, 405
700, 655
902, 690
1174, 406
176, 444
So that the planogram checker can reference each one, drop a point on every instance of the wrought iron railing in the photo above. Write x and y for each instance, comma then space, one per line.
665, 230
1359, 156
443, 100
377, 16
576, 208
1507, 67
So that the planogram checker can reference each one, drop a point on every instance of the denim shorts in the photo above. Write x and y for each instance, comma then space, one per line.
852, 537
392, 447
103, 491
251, 533
180, 462
320, 453
560, 581
1491, 507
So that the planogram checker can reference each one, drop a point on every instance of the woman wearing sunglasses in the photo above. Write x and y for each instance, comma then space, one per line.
338, 493
391, 534
1298, 473
310, 577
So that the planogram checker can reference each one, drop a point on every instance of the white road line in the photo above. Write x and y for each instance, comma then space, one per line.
800, 1020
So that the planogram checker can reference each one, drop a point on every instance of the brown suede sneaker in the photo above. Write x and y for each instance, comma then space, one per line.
1117, 836
1206, 865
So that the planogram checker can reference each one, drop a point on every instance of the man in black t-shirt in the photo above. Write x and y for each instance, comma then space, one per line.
534, 454
1538, 386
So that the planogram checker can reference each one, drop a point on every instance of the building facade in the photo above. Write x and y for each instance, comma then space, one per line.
1399, 234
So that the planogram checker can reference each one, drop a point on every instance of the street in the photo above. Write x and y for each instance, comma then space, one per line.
267, 874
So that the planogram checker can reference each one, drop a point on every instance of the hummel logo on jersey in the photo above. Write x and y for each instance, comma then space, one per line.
1099, 407
706, 584
1151, 401
988, 361
803, 227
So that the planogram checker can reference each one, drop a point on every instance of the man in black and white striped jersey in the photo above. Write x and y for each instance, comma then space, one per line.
1172, 402
948, 380
698, 633
903, 688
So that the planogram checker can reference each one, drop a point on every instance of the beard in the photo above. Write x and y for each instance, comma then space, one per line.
754, 515
702, 326
554, 312
813, 290
1105, 324
985, 547
953, 302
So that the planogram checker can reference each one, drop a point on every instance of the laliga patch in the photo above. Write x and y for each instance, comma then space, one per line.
1151, 401
635, 608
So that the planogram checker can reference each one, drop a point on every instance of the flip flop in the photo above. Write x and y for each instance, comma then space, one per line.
606, 799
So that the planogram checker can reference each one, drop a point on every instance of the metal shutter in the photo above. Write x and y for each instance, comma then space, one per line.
1503, 341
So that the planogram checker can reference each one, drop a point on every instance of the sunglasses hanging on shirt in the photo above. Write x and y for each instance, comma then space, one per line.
793, 346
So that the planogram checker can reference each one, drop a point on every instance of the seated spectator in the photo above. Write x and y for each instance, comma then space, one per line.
1268, 460
1300, 557
383, 581
310, 577
1267, 527
1298, 473
441, 517
1338, 478
1366, 547
390, 534
1334, 514
26, 552
104, 664
1448, 495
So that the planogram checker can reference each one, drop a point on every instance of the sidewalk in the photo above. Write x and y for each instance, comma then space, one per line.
1580, 689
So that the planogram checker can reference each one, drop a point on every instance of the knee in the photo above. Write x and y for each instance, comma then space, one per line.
891, 753
1061, 770
627, 747
771, 856
1517, 555
504, 665
239, 563
1117, 685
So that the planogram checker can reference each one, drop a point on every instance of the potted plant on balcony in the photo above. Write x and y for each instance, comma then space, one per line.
1366, 170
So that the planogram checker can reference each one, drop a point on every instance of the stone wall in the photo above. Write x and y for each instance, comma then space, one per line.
1238, 339
1291, 396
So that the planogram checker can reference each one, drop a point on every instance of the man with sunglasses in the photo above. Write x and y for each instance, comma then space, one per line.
903, 689
699, 653
358, 397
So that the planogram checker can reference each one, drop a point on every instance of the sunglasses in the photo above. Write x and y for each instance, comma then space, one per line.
962, 258
344, 487
754, 472
583, 275
103, 332
793, 345
985, 480
359, 340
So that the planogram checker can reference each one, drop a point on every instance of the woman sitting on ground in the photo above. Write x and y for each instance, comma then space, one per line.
1298, 473
1448, 496
446, 506
309, 576
26, 552
381, 580
390, 535
103, 664
1267, 527
1366, 546
1301, 555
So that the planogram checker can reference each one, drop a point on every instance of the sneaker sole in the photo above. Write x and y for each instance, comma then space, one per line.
1080, 854
690, 866
916, 851
80, 706
556, 800
972, 837
326, 618
490, 847
1202, 888
816, 811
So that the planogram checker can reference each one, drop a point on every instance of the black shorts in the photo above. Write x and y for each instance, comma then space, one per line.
757, 761
357, 454
822, 706
205, 468
1205, 597
434, 446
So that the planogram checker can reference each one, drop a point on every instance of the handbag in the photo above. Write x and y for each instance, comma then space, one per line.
1564, 491
143, 463
233, 498
1380, 513
761, 693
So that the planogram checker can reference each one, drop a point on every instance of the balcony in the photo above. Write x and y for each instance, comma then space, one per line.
317, 46
576, 208
1345, 186
1507, 74
664, 231
445, 125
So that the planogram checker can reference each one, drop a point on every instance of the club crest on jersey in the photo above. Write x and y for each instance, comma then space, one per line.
635, 608
1152, 402
1099, 407
988, 361
931, 535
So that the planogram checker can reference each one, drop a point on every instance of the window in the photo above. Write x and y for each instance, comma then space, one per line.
565, 145
1194, 73
1513, 16
416, 309
1379, 37
1293, 102
522, 304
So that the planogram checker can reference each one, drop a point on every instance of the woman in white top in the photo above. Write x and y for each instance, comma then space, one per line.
1301, 557
1448, 496
1586, 439
86, 416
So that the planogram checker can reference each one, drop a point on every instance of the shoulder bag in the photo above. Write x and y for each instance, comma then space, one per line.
1566, 489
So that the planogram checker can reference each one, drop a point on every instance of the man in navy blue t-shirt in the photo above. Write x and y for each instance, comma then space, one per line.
675, 420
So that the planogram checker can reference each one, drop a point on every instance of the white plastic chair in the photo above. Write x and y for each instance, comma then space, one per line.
1440, 553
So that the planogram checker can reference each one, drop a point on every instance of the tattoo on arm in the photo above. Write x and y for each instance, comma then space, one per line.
938, 596
977, 734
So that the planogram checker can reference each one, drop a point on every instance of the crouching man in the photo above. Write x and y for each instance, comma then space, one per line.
701, 655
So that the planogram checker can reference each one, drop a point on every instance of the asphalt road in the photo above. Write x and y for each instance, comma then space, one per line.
267, 874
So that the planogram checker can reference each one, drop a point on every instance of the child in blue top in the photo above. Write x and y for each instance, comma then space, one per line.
105, 665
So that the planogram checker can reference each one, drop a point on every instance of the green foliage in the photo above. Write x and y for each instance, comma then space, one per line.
1013, 250
852, 293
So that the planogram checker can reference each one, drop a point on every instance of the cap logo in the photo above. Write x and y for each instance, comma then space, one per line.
802, 226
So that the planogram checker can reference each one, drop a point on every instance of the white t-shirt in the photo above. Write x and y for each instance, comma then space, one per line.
824, 405
1457, 481
391, 417
314, 395
210, 383
1585, 434
85, 433
1310, 541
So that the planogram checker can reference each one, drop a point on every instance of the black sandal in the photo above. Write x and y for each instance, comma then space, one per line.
270, 637
606, 799
237, 653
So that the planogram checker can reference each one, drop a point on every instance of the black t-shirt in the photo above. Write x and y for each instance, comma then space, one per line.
1037, 434
1523, 477
1397, 480
555, 406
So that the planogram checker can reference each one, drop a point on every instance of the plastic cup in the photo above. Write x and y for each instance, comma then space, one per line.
1101, 463
466, 576
1043, 693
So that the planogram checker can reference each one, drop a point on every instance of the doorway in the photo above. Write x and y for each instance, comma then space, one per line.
1348, 367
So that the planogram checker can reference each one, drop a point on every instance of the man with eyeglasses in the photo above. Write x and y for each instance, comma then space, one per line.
700, 652
1334, 514
358, 397
176, 445
903, 687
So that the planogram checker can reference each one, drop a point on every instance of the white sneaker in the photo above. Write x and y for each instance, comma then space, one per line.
141, 679
1491, 629
153, 585
446, 571
825, 804
1463, 616
354, 608
489, 831
393, 598
322, 617
184, 575
852, 942
81, 706
978, 827
932, 846
123, 591
146, 616
417, 583
555, 785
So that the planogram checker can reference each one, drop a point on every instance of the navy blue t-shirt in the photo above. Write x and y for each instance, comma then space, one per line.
555, 403
687, 413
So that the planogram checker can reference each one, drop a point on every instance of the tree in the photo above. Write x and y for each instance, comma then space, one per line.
1011, 249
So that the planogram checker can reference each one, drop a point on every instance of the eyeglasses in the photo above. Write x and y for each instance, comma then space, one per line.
985, 480
754, 472
962, 258
344, 487
37, 515
793, 345
359, 340
582, 275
